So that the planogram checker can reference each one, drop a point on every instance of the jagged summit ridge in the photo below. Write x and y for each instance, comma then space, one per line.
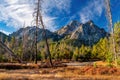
87, 33
29, 32
68, 29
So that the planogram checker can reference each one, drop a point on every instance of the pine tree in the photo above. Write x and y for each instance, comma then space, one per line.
76, 54
117, 40
117, 37
94, 51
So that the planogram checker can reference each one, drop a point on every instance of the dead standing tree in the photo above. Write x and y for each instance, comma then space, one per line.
37, 24
111, 29
24, 42
44, 32
39, 21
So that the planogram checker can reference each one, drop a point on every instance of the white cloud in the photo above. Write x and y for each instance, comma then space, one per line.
5, 32
56, 7
11, 1
49, 22
61, 5
15, 12
92, 10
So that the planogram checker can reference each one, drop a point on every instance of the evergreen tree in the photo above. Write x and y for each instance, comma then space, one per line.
117, 36
117, 40
76, 54
101, 49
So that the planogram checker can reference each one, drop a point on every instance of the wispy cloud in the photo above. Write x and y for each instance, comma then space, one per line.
62, 6
15, 12
54, 8
5, 32
92, 10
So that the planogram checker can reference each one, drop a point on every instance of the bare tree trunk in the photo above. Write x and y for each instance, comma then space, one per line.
44, 31
109, 15
36, 42
46, 41
1, 37
37, 24
23, 42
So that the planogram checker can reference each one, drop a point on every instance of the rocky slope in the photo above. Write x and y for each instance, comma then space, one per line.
29, 32
68, 29
87, 33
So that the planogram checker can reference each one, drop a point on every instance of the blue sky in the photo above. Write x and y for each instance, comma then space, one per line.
56, 13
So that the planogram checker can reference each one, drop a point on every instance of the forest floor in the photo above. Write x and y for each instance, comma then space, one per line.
71, 72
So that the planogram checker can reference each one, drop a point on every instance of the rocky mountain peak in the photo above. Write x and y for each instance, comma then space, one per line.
68, 29
89, 22
29, 32
74, 23
88, 33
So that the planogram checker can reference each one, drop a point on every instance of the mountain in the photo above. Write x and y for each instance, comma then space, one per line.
68, 29
87, 33
3, 37
76, 32
29, 33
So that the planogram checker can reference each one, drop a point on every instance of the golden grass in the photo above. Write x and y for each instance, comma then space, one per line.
61, 73
32, 72
101, 63
58, 76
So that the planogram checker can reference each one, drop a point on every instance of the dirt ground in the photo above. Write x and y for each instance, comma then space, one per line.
62, 73
73, 71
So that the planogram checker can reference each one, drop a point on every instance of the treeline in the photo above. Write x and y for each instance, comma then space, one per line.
64, 50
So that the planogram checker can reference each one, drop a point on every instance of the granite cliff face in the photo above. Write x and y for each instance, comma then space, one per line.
29, 33
87, 33
68, 29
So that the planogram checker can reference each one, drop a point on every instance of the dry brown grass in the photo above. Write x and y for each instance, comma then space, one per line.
37, 72
17, 66
13, 66
101, 63
58, 76
62, 73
